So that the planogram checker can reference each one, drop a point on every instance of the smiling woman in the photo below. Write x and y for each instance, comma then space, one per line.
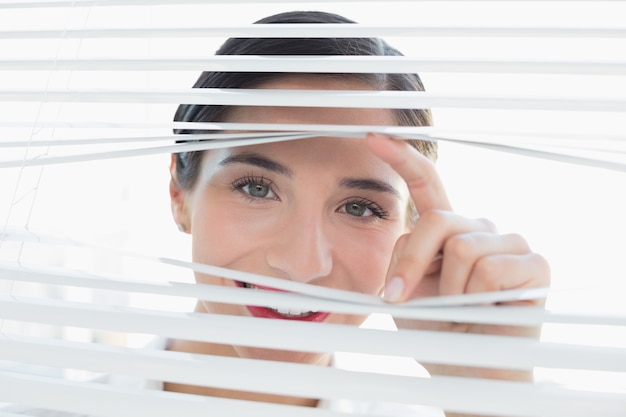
334, 212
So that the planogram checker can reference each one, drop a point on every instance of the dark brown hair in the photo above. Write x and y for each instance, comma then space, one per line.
188, 163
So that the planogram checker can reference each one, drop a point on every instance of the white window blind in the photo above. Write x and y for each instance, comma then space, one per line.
529, 104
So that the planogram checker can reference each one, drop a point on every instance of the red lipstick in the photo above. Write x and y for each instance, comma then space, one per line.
271, 313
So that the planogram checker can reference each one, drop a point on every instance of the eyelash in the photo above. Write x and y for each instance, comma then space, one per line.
240, 183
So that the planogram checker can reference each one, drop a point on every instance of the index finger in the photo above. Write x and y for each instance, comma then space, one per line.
418, 172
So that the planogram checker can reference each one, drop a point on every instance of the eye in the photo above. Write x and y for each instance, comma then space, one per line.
363, 208
356, 209
257, 190
255, 187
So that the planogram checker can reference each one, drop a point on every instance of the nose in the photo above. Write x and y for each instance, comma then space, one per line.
301, 249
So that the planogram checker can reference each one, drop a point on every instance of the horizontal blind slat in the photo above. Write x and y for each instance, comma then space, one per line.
107, 401
466, 394
355, 64
104, 3
325, 30
435, 347
217, 371
312, 98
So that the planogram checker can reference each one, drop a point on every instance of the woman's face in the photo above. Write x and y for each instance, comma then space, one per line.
324, 211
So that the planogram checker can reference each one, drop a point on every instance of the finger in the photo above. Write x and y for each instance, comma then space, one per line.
462, 251
430, 283
418, 172
508, 272
392, 288
422, 247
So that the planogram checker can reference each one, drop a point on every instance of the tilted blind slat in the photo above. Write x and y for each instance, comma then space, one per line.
510, 315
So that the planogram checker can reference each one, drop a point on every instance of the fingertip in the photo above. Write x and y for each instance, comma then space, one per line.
375, 139
385, 147
394, 290
376, 135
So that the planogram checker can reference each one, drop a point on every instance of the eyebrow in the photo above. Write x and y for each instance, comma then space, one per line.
262, 161
369, 184
258, 160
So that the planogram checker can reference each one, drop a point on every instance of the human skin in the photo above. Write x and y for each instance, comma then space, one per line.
316, 217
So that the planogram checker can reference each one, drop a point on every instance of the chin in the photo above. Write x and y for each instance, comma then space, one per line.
283, 355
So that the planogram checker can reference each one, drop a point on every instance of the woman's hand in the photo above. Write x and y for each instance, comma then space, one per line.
446, 254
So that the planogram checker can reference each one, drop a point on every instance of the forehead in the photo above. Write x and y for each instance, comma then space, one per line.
312, 115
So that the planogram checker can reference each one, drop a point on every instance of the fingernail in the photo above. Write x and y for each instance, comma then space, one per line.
394, 289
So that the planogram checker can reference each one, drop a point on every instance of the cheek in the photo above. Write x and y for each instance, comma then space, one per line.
222, 233
366, 260
214, 239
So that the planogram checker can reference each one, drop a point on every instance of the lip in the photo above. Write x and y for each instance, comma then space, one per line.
264, 312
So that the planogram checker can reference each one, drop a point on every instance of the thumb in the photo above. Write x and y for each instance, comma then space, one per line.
395, 287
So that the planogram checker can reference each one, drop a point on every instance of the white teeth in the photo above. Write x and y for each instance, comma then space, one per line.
290, 312
293, 312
